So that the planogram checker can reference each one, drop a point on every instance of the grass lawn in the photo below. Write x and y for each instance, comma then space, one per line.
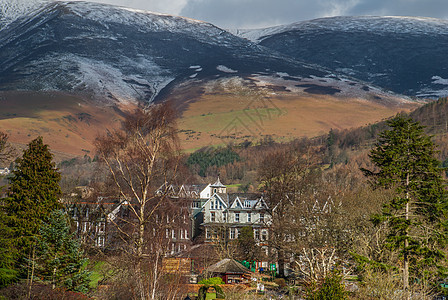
96, 274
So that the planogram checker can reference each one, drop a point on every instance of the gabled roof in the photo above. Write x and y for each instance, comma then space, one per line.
261, 204
237, 203
241, 199
228, 265
218, 184
220, 197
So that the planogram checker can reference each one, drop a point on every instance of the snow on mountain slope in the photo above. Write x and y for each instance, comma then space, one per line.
373, 24
401, 54
13, 10
124, 54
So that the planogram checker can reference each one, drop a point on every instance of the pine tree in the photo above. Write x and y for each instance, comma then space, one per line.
33, 194
59, 257
405, 159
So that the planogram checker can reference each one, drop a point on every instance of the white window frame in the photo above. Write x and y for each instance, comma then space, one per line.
232, 234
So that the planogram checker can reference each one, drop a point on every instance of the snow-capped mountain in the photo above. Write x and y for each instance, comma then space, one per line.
407, 55
123, 53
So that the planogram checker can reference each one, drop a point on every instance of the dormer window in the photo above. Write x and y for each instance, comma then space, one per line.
214, 190
246, 204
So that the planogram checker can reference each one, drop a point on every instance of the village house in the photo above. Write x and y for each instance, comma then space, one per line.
96, 221
214, 211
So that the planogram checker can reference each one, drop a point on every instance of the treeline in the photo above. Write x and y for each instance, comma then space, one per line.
238, 163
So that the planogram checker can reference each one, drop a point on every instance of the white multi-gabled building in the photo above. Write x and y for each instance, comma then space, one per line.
215, 212
229, 212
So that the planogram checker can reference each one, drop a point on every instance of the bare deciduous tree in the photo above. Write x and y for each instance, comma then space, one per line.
6, 151
140, 158
286, 177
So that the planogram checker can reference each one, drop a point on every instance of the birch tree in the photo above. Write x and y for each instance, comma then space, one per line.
140, 158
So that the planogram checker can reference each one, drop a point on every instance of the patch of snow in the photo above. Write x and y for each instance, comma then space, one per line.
282, 74
411, 25
439, 80
11, 10
194, 67
143, 79
194, 75
225, 69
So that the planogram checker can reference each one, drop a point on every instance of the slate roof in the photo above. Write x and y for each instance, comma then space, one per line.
218, 184
228, 265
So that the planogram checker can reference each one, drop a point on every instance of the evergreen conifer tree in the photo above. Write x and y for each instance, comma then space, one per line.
33, 194
405, 161
59, 257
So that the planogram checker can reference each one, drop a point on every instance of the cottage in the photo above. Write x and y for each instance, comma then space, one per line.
229, 270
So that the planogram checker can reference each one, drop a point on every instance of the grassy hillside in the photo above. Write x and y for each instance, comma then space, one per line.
209, 115
68, 124
221, 116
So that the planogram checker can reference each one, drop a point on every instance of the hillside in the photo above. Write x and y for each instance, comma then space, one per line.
67, 69
120, 54
69, 124
406, 55
234, 110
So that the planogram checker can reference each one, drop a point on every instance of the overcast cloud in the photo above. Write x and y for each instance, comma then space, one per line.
264, 13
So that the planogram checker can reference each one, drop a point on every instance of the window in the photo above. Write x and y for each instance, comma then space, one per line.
173, 233
100, 241
207, 233
237, 232
186, 234
257, 234
181, 234
101, 227
224, 217
84, 226
261, 217
237, 217
212, 217
167, 233
264, 235
249, 217
232, 233
246, 203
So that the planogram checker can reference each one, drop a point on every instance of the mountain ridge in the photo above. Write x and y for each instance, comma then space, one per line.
406, 55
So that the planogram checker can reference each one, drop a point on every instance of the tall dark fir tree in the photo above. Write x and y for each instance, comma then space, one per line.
33, 194
405, 162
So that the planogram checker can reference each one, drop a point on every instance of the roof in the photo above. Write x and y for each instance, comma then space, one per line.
218, 184
228, 265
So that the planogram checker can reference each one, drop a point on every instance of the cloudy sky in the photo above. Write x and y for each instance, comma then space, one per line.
264, 13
